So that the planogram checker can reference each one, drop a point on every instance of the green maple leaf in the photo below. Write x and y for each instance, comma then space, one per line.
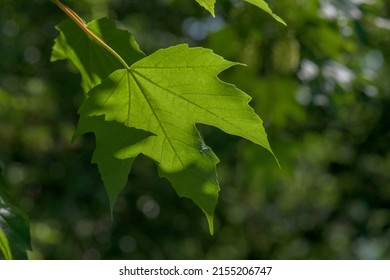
167, 93
264, 6
152, 107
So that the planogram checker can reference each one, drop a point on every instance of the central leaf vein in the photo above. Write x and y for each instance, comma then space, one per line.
166, 136
129, 104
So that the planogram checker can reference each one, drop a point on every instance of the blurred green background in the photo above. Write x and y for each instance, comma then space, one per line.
321, 85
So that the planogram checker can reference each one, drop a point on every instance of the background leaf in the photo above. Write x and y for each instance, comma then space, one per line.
208, 5
14, 227
4, 246
264, 6
91, 59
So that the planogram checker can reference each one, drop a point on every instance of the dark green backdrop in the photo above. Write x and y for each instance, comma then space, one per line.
321, 85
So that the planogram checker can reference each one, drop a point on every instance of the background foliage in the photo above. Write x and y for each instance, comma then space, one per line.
321, 86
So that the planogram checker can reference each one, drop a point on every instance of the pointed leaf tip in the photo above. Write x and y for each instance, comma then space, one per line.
208, 5
264, 6
210, 221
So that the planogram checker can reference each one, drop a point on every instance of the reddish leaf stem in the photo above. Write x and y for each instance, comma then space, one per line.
80, 23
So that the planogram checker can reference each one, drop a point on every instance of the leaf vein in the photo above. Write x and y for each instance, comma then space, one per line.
157, 119
187, 100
